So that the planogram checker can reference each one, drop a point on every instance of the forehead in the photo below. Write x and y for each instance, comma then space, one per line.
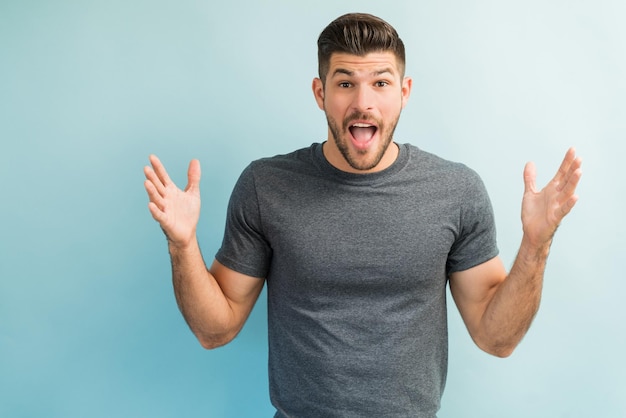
374, 62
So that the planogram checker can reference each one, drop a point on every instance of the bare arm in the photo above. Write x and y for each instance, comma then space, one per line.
498, 308
214, 303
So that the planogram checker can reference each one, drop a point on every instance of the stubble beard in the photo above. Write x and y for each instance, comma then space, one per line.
352, 158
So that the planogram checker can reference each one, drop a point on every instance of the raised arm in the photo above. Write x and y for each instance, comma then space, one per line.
214, 303
498, 308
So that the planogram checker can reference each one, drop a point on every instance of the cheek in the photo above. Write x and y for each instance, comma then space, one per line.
392, 107
333, 109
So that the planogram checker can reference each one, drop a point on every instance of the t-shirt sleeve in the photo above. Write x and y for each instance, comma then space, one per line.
476, 241
244, 247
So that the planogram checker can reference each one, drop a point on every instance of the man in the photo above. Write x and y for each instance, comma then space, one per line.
357, 239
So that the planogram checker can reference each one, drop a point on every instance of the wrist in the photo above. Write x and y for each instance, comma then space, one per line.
534, 249
182, 246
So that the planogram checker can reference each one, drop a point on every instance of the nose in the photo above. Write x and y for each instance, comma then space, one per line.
363, 99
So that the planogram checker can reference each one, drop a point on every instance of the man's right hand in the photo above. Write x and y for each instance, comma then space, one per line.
176, 210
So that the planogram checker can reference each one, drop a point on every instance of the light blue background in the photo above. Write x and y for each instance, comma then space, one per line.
88, 89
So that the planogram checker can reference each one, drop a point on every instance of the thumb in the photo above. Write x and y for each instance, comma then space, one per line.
193, 176
530, 173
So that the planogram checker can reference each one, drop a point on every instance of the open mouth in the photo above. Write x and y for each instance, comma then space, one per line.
362, 133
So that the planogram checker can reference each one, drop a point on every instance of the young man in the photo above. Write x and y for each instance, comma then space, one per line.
357, 239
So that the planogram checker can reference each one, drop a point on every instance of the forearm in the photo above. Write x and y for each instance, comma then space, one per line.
516, 301
499, 308
200, 298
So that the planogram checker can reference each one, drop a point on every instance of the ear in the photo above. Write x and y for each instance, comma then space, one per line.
407, 85
318, 92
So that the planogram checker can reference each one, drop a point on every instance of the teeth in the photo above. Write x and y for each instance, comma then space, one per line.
362, 125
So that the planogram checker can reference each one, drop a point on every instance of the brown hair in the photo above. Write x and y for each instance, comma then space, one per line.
357, 34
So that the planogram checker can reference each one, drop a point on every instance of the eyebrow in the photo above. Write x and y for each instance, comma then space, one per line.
375, 73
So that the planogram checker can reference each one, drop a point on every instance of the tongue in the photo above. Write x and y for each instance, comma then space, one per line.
363, 134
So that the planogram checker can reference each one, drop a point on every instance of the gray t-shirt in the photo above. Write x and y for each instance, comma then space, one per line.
356, 268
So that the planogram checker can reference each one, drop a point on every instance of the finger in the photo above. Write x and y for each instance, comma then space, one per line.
572, 176
160, 171
566, 164
193, 176
156, 213
154, 179
153, 195
574, 167
568, 205
569, 187
530, 173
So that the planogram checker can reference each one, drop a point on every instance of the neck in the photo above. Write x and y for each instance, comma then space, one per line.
336, 158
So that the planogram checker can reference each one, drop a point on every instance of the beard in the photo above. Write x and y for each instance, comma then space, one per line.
358, 159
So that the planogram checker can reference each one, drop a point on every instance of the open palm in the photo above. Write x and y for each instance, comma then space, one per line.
543, 211
176, 210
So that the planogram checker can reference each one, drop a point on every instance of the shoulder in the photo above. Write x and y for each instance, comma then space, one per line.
441, 171
298, 160
281, 172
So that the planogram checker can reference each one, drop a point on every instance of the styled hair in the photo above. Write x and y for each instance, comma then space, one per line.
358, 34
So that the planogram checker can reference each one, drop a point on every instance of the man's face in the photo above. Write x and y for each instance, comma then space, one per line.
362, 99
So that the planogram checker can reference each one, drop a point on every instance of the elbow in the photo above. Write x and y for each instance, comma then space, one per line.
497, 348
215, 335
500, 352
211, 342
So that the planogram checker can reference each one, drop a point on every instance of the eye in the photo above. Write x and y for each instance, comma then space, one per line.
344, 84
382, 83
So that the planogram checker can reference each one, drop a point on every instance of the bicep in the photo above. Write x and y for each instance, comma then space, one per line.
240, 290
474, 288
